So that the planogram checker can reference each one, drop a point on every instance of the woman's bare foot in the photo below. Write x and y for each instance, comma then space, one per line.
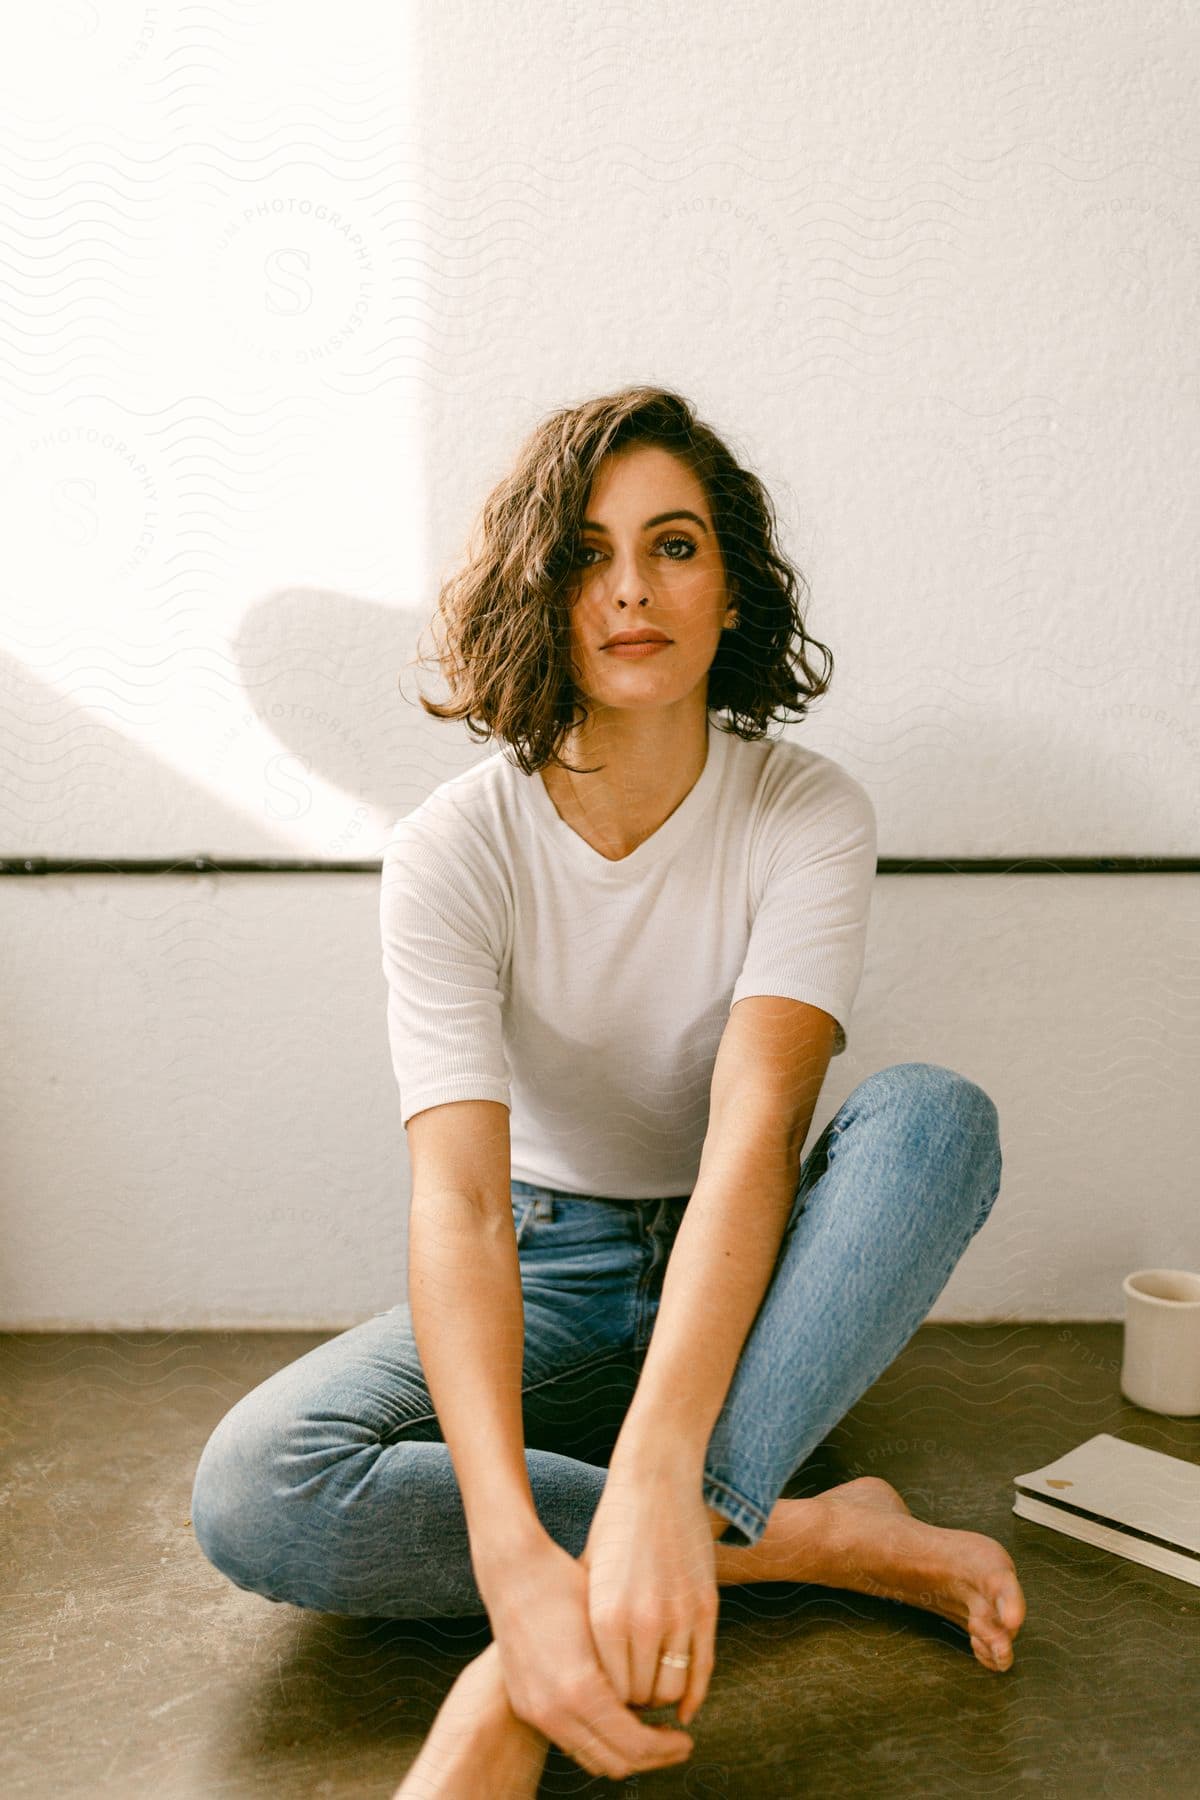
862, 1536
477, 1745
963, 1575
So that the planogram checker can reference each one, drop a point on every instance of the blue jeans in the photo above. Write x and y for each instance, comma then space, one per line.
328, 1485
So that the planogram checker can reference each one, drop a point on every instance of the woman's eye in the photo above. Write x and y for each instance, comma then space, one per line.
675, 538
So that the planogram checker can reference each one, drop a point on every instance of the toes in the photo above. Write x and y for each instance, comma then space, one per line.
1006, 1605
994, 1654
989, 1629
1010, 1609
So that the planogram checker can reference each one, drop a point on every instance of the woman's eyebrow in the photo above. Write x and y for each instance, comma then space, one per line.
658, 519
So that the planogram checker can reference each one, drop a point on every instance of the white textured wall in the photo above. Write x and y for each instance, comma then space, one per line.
286, 288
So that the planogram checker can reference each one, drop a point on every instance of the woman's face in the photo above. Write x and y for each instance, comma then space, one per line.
631, 549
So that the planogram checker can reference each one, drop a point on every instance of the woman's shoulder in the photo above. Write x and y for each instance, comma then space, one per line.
457, 816
797, 780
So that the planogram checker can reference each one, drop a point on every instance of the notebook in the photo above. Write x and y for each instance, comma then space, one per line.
1141, 1504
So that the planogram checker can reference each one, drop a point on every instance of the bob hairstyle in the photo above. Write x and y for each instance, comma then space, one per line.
504, 642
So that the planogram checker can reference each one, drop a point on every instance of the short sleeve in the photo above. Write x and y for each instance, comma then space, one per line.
440, 943
809, 930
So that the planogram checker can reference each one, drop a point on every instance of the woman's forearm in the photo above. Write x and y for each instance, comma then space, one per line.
720, 1266
468, 1321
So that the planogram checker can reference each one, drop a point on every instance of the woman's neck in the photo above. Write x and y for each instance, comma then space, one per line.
646, 774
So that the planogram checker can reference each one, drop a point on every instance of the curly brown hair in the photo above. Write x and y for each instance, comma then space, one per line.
505, 650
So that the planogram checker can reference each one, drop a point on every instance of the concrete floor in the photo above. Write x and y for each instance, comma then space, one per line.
132, 1668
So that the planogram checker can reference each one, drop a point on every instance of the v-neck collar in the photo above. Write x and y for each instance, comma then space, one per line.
651, 850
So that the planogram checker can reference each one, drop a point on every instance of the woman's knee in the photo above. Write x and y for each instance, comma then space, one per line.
234, 1497
947, 1110
916, 1085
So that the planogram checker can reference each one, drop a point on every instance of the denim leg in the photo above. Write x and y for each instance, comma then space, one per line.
329, 1486
890, 1196
307, 1493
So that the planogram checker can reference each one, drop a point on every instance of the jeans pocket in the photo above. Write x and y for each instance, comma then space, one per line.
522, 1209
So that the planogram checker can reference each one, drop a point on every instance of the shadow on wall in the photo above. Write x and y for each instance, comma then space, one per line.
310, 744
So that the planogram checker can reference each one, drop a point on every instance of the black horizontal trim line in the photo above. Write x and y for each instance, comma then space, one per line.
201, 863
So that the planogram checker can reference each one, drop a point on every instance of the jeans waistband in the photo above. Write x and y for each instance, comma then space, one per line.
547, 1199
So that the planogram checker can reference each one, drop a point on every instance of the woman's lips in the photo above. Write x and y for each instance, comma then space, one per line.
647, 649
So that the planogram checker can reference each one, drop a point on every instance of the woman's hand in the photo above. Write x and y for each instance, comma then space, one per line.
538, 1607
652, 1583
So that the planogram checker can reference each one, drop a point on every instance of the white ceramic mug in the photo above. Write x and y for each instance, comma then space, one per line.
1160, 1369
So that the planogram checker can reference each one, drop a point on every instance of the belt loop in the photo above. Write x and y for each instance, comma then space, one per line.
543, 1207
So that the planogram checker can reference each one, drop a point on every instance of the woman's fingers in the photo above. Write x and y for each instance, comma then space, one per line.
607, 1738
670, 1680
686, 1686
645, 1646
699, 1673
612, 1650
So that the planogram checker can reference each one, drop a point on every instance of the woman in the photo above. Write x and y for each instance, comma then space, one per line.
613, 993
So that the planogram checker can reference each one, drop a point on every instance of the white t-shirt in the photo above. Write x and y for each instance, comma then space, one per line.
589, 995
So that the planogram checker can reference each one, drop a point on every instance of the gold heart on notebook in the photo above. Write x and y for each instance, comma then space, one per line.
1050, 1482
